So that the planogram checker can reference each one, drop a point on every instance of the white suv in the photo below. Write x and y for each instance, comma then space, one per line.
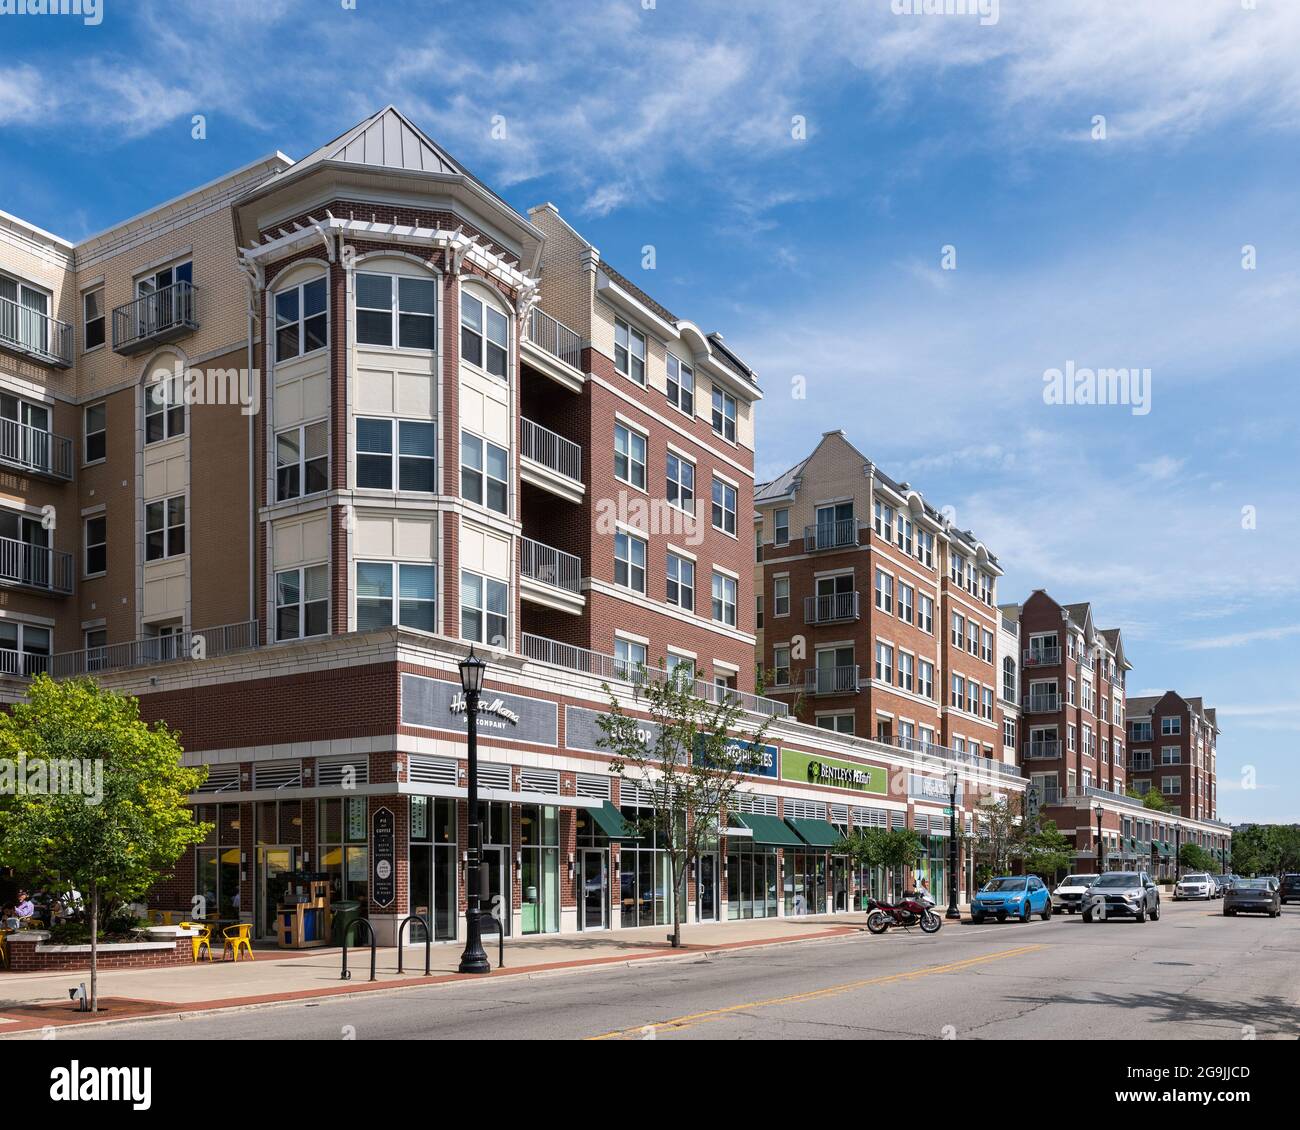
1194, 886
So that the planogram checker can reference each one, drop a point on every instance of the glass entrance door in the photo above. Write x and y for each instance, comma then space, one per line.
274, 867
595, 889
706, 888
496, 899
840, 881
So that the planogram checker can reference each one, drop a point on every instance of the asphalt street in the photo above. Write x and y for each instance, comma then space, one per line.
1192, 975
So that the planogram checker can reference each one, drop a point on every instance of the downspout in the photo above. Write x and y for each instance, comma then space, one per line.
255, 279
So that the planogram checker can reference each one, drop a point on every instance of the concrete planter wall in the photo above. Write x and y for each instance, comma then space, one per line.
30, 951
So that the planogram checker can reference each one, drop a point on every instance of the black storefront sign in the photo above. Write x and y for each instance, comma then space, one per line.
437, 704
383, 852
582, 730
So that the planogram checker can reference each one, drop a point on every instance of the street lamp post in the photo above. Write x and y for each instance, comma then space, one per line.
1178, 851
953, 779
474, 959
1098, 809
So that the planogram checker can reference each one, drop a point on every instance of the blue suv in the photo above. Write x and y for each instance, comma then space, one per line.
1012, 896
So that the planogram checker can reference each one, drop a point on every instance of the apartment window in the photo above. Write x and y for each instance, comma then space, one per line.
393, 309
26, 319
1171, 755
781, 666
302, 602
1170, 726
781, 526
24, 648
95, 432
925, 614
629, 562
1171, 786
164, 528
724, 507
301, 461
1141, 731
164, 409
1009, 678
925, 548
958, 699
484, 609
724, 415
973, 698
958, 630
906, 597
986, 588
957, 568
389, 593
884, 591
781, 596
629, 351
903, 533
1070, 691
484, 473
988, 703
724, 599
681, 582
629, 456
484, 335
884, 663
906, 670
301, 321
1009, 733
986, 648
925, 679
95, 641
681, 385
758, 612
1087, 696
629, 657
839, 723
972, 637
681, 482
395, 452
92, 319
96, 540
883, 520
683, 664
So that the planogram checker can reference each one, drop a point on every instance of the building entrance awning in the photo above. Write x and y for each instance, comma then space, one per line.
815, 833
768, 830
611, 822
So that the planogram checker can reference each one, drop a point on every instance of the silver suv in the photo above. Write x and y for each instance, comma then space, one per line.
1122, 894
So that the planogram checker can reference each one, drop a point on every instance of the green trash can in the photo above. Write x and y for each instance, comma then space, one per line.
345, 915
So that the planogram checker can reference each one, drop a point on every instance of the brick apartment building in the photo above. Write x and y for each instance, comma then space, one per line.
879, 616
465, 428
1173, 749
1073, 739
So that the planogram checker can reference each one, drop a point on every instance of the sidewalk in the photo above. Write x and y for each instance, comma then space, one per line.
37, 1000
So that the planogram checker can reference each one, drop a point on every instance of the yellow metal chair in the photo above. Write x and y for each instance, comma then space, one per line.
4, 950
202, 939
236, 936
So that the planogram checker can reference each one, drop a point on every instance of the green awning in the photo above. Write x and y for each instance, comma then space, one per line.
815, 833
767, 829
611, 822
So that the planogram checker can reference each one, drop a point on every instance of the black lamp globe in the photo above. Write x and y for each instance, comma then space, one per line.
471, 673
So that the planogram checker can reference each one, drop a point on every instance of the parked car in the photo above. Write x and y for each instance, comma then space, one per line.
1290, 888
1119, 894
1272, 880
1223, 883
1020, 896
1069, 892
1252, 896
1197, 885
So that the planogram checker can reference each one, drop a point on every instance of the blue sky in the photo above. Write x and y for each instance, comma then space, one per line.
819, 255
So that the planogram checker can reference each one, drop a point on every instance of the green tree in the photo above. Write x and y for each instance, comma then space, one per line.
1046, 851
1153, 799
893, 849
689, 757
997, 833
1193, 857
117, 834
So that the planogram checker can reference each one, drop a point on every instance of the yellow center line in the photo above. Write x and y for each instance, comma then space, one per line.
681, 1022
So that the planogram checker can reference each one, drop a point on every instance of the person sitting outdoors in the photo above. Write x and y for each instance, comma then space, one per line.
21, 910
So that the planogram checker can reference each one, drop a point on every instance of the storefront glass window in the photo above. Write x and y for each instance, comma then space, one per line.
539, 838
751, 880
433, 866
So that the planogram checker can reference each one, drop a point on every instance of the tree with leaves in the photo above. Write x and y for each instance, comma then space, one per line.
996, 835
1153, 799
1046, 851
112, 843
1193, 857
893, 849
688, 756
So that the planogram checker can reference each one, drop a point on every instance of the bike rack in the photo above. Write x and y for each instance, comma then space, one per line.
428, 938
346, 974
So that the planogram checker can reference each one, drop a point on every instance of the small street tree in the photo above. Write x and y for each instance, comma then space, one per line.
1046, 851
890, 848
1153, 799
1193, 857
123, 826
688, 756
995, 837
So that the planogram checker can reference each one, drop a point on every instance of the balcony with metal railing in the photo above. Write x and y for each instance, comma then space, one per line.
555, 338
831, 680
189, 644
944, 753
35, 335
549, 460
154, 319
830, 535
833, 608
550, 576
35, 451
35, 567
1042, 750
580, 659
1041, 702
1041, 657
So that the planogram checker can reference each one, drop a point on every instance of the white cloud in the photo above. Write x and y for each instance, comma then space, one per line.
1162, 468
1237, 639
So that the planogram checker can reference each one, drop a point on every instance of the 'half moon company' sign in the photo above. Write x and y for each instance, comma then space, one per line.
494, 708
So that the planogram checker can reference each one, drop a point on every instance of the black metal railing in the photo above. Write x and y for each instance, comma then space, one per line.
831, 680
164, 315
35, 566
550, 566
830, 535
35, 334
550, 449
830, 608
32, 449
555, 338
